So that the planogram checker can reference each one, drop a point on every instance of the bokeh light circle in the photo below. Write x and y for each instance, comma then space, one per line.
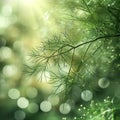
10, 70
86, 95
45, 106
6, 53
19, 115
65, 108
13, 93
103, 82
33, 108
31, 92
53, 99
22, 102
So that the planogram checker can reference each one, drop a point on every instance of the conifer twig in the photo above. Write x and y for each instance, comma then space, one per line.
81, 44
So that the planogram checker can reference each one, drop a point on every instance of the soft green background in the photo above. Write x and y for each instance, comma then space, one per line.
27, 24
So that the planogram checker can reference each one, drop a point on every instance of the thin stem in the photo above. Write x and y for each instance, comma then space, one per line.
87, 6
67, 78
71, 61
102, 37
74, 47
83, 57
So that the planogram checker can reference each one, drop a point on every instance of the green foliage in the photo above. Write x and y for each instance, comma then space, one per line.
79, 50
87, 51
87, 42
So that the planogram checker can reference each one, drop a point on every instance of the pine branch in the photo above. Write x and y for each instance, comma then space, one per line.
87, 6
44, 59
64, 50
81, 44
98, 38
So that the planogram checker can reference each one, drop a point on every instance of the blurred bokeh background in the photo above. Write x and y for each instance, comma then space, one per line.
24, 25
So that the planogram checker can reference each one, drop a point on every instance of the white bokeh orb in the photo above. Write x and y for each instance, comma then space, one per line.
14, 93
22, 102
10, 70
65, 108
6, 53
45, 106
103, 82
86, 95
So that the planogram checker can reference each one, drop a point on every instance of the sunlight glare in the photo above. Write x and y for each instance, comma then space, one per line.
28, 2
